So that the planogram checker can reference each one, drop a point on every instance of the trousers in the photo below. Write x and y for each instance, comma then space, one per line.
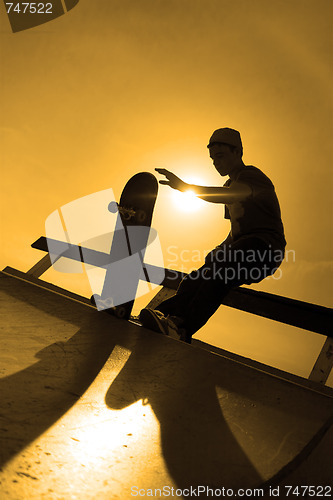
200, 293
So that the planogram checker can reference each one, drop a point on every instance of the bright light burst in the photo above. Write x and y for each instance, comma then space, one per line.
187, 201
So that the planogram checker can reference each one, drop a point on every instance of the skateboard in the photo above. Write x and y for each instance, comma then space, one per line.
134, 216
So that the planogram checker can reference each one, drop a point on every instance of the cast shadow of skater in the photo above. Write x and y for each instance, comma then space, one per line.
35, 397
178, 381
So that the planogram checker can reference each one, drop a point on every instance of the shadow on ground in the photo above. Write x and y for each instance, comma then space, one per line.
221, 423
34, 398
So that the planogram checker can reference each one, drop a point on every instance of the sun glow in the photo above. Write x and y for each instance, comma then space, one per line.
187, 201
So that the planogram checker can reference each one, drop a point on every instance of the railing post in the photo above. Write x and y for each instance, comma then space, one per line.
41, 267
324, 364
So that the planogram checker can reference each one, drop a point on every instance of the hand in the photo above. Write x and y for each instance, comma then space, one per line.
172, 179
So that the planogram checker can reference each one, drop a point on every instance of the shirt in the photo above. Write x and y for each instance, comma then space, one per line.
259, 214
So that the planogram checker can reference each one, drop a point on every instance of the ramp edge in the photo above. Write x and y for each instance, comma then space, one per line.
198, 344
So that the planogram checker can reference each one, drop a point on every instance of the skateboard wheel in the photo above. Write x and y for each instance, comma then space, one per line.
120, 312
140, 215
94, 298
127, 215
113, 207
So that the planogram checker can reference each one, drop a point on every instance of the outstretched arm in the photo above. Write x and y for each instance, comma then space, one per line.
237, 192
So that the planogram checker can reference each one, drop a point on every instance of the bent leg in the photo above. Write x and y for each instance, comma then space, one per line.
178, 303
201, 292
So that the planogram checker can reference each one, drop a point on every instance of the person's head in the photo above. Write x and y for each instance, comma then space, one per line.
226, 150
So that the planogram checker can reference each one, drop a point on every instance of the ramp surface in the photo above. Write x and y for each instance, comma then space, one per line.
93, 407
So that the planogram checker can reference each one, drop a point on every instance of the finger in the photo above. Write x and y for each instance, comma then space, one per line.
162, 171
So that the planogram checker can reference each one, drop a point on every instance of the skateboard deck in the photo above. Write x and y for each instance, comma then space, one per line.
134, 216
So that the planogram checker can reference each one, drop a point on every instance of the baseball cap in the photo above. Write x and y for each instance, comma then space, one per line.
227, 136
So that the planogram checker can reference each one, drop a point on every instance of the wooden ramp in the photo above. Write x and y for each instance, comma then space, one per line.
94, 407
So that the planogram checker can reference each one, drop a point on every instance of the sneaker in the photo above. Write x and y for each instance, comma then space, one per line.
156, 321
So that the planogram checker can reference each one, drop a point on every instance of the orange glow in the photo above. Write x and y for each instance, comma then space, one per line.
187, 201
102, 93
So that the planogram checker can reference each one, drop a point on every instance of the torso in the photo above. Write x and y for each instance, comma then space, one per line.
259, 215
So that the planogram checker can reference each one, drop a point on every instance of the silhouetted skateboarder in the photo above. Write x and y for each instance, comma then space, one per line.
253, 249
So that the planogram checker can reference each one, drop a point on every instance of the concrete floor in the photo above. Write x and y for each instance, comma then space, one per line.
93, 407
